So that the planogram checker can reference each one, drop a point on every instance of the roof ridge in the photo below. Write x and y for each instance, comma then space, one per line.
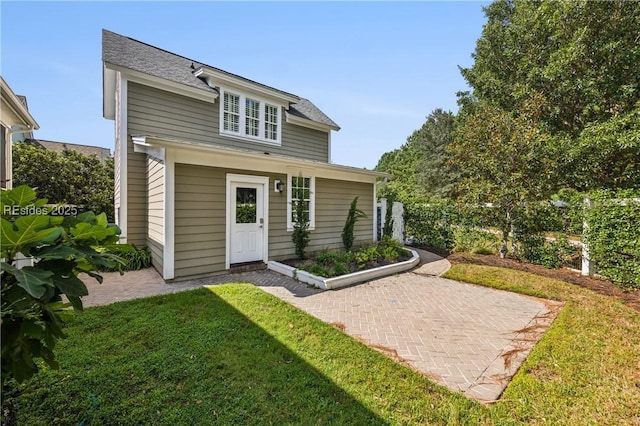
202, 64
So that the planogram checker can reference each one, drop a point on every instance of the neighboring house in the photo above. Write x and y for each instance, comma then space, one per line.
101, 153
16, 123
208, 162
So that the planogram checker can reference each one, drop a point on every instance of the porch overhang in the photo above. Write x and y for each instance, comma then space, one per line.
203, 154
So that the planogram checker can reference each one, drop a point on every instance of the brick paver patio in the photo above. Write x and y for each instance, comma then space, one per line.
469, 338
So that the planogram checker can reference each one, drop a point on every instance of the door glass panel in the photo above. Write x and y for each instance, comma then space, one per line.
246, 207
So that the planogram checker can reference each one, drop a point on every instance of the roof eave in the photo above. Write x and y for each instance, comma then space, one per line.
219, 78
305, 122
18, 107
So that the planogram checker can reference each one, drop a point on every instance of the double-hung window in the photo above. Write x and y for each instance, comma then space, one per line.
250, 117
301, 188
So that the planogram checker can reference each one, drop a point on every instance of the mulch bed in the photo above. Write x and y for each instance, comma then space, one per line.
602, 286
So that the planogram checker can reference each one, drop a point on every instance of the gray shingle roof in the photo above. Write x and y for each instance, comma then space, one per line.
101, 153
138, 56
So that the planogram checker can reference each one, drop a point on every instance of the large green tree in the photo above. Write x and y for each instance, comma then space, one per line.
434, 172
419, 167
579, 60
506, 160
68, 177
580, 57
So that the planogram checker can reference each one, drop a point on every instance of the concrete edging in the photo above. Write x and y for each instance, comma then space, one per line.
344, 280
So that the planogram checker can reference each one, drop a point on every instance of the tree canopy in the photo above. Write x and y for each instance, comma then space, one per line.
420, 167
68, 177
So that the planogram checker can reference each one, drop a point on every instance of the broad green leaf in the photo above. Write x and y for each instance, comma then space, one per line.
101, 220
33, 280
70, 285
31, 328
59, 252
22, 195
85, 231
76, 302
27, 230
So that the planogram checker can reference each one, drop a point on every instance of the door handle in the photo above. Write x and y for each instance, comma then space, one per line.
261, 222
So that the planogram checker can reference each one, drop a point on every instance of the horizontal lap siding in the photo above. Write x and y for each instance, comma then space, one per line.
155, 211
136, 197
200, 211
333, 198
199, 220
160, 113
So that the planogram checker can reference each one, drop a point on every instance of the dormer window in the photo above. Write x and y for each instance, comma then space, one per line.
250, 117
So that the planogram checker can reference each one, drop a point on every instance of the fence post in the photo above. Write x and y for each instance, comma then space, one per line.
397, 213
587, 265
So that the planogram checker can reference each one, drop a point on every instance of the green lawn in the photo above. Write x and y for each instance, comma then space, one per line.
586, 368
232, 355
237, 355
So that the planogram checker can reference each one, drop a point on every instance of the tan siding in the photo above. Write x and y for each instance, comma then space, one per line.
333, 198
136, 196
200, 235
155, 211
199, 220
160, 113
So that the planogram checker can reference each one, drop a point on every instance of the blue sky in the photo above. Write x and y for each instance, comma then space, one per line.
377, 69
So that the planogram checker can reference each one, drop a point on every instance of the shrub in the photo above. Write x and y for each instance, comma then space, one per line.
366, 255
301, 233
551, 254
353, 216
474, 241
430, 224
613, 236
33, 314
387, 229
134, 258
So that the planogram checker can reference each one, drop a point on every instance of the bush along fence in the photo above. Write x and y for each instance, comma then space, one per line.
600, 235
613, 236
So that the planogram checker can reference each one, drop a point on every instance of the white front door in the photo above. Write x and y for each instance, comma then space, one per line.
247, 221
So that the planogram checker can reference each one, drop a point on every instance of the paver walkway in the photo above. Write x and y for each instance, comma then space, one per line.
469, 338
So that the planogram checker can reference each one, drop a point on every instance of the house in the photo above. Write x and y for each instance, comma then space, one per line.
15, 123
207, 163
100, 153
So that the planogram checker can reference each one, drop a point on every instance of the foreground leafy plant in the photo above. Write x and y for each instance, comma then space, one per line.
33, 313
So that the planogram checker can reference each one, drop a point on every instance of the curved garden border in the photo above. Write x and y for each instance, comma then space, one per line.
344, 280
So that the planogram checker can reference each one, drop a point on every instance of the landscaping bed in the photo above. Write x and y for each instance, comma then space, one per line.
334, 269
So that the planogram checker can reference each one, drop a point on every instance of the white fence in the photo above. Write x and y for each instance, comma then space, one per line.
397, 215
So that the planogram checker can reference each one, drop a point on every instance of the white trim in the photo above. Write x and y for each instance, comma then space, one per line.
242, 116
168, 255
164, 84
204, 154
312, 202
122, 125
215, 77
260, 180
140, 145
303, 122
12, 102
109, 83
345, 280
375, 212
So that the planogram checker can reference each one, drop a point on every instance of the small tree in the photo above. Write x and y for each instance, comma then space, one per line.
300, 236
33, 313
352, 217
387, 228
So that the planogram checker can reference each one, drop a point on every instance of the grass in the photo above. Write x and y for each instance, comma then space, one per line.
237, 355
232, 355
586, 368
